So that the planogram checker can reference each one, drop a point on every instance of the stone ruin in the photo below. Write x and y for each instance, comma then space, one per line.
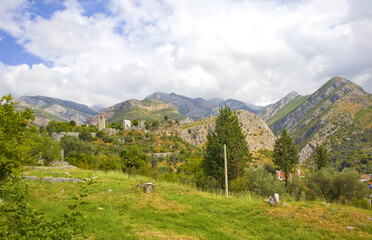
127, 124
147, 188
101, 122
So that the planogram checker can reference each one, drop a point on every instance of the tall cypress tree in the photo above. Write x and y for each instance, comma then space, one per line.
228, 131
321, 156
285, 155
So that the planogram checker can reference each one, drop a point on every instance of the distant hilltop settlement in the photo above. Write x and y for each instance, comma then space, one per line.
171, 128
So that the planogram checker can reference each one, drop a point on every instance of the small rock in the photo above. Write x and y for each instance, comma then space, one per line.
109, 190
100, 208
350, 227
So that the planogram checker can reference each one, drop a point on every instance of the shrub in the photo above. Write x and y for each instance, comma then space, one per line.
238, 185
360, 203
85, 135
262, 183
110, 162
332, 185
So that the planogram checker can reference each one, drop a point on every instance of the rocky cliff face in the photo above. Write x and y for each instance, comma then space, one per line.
47, 109
258, 134
318, 117
270, 111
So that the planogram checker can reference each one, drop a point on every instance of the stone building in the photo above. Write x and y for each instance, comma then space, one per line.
101, 122
127, 124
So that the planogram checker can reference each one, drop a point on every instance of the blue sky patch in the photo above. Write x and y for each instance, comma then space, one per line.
45, 9
12, 53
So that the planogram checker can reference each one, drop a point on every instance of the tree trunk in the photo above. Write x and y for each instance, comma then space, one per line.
286, 182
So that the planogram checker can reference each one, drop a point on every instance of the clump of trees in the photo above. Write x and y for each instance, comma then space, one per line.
228, 131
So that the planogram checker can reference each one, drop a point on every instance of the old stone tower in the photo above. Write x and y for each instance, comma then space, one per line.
101, 122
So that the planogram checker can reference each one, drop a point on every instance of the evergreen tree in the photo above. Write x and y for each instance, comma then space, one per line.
285, 155
228, 131
321, 157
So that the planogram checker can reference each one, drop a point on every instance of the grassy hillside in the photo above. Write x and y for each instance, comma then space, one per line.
352, 144
144, 114
116, 209
287, 109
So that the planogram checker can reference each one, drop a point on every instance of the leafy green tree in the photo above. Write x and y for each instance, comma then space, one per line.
85, 135
332, 185
49, 150
285, 155
228, 131
15, 129
72, 123
131, 158
54, 126
321, 157
73, 144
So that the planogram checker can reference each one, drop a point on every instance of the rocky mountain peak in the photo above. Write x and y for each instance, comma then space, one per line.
270, 111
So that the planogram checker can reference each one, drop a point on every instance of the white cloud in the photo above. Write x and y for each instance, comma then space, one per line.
254, 51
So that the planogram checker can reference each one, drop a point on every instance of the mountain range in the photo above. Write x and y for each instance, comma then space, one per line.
199, 108
47, 109
338, 115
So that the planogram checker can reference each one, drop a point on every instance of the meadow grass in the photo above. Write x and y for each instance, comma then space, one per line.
116, 209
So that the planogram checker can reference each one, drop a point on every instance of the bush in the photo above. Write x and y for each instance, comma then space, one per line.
238, 185
85, 135
360, 203
331, 185
262, 183
171, 177
70, 144
110, 162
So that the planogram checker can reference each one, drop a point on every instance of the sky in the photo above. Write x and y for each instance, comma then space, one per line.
108, 51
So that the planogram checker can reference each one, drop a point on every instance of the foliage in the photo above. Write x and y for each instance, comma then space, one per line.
49, 150
22, 221
321, 157
82, 160
118, 125
54, 126
192, 171
331, 185
85, 135
262, 183
227, 131
285, 155
361, 203
238, 185
109, 162
131, 157
70, 144
15, 141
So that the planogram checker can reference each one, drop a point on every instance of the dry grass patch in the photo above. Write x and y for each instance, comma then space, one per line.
152, 234
333, 217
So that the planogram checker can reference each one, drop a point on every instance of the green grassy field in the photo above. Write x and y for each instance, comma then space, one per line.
116, 209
